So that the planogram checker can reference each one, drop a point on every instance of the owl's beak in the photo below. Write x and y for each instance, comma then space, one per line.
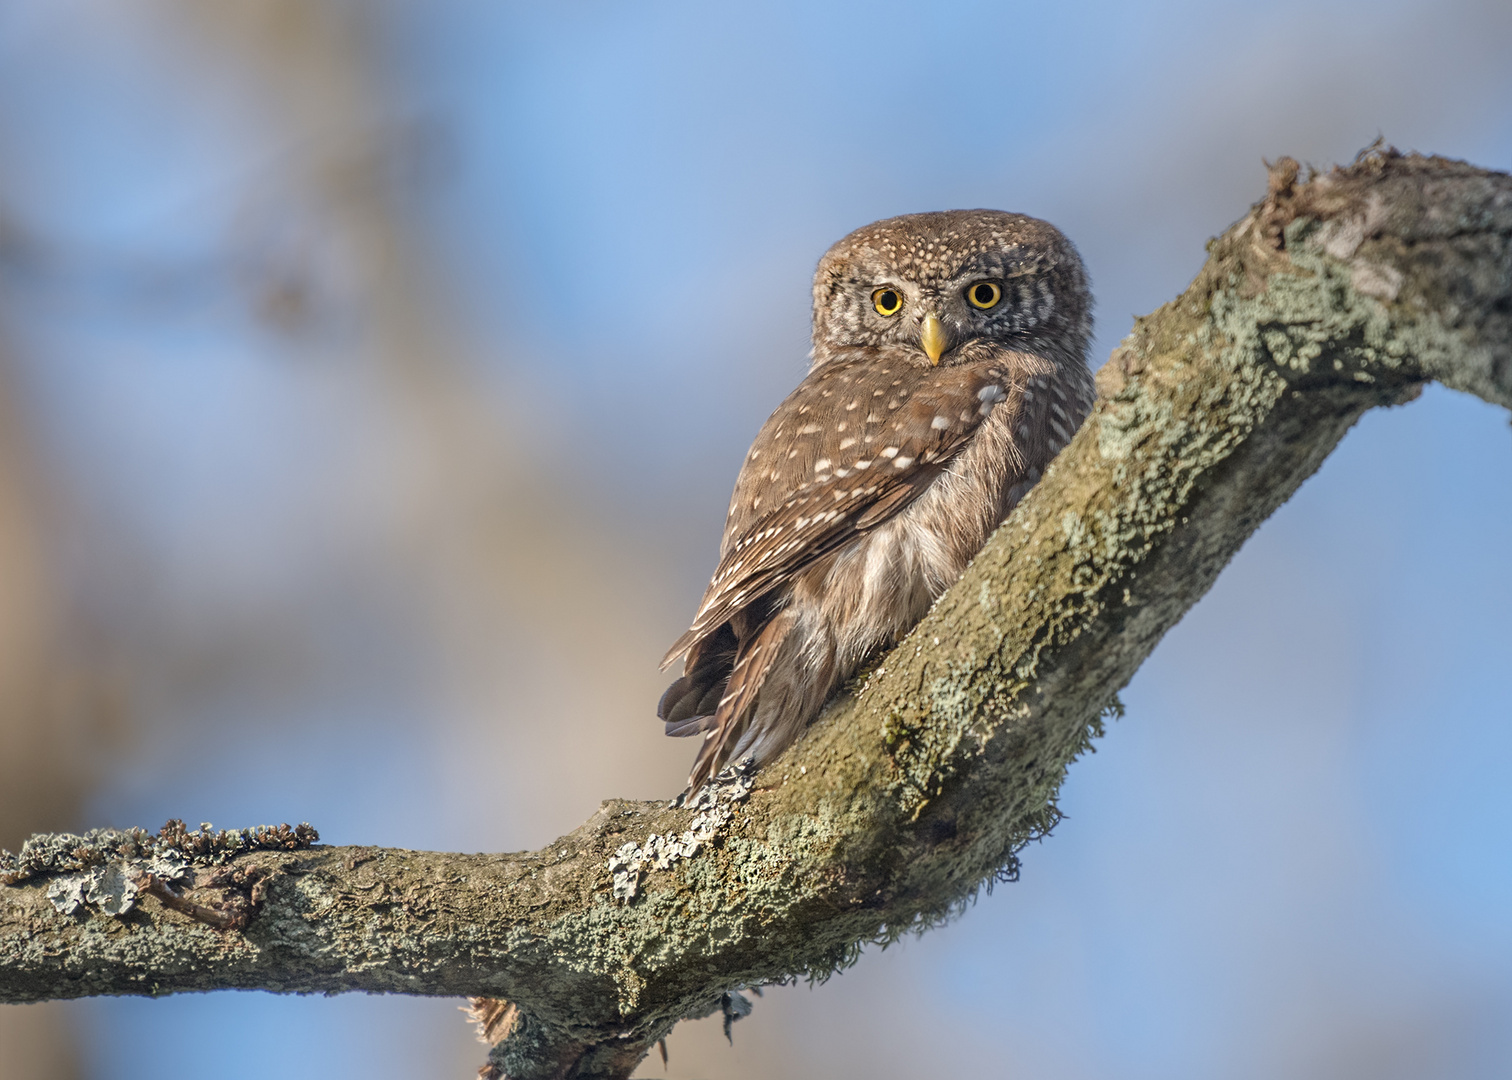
932, 337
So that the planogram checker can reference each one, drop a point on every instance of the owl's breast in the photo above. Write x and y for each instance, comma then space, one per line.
881, 583
878, 585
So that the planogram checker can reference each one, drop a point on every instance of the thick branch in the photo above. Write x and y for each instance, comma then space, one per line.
1328, 298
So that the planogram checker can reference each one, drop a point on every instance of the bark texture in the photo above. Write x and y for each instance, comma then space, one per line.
1330, 297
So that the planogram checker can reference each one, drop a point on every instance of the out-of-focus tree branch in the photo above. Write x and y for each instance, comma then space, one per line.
493, 518
42, 705
1332, 296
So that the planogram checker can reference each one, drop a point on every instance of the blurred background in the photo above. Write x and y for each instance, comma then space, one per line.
373, 376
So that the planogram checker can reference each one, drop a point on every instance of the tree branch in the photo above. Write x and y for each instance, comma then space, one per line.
1330, 297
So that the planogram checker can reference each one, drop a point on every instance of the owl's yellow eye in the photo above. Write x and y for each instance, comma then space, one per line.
984, 294
887, 301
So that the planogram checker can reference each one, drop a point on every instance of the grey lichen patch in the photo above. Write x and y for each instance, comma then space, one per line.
108, 868
711, 804
1316, 312
933, 733
1376, 279
113, 888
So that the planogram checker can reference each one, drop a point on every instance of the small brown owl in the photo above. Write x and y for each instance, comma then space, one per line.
949, 367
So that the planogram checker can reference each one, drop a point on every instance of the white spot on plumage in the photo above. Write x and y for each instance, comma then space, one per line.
822, 464
902, 462
890, 451
847, 442
939, 423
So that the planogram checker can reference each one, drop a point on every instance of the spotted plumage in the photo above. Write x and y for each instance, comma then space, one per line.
948, 369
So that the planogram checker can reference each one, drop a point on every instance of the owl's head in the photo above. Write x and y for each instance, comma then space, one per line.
935, 283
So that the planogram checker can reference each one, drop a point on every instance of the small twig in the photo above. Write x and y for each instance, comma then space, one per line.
252, 880
221, 920
251, 883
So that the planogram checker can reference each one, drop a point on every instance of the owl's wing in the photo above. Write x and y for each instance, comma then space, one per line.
855, 443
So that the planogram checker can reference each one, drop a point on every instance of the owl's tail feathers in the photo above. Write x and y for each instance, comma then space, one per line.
738, 703
689, 704
693, 725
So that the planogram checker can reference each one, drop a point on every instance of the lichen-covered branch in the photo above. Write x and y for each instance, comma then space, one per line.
1334, 295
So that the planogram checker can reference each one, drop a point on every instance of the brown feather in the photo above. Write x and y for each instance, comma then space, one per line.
696, 695
909, 423
747, 675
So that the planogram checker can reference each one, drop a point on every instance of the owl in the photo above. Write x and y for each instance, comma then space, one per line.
948, 368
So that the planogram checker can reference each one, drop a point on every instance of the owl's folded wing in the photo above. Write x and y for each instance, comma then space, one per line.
855, 443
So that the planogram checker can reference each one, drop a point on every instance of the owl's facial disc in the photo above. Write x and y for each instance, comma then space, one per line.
933, 338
